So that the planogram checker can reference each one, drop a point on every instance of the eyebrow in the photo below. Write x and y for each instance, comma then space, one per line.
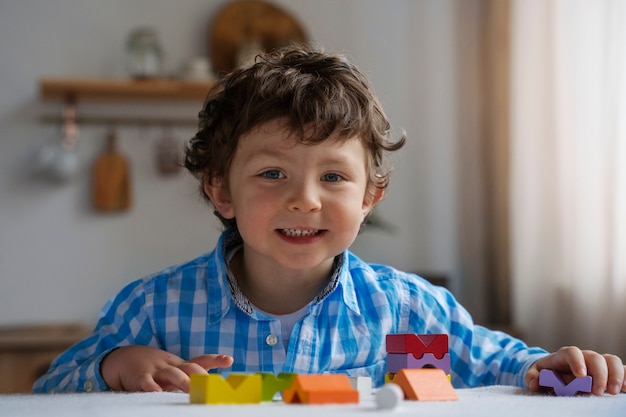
279, 154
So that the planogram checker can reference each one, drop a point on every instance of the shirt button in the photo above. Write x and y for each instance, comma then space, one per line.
271, 340
88, 386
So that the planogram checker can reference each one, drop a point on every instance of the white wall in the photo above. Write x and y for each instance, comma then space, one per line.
60, 261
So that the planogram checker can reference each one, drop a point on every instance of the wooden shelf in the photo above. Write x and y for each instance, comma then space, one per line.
92, 89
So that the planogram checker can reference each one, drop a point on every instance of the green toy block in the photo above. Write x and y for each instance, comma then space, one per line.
271, 384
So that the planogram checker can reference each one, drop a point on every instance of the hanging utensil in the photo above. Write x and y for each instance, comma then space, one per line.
59, 161
169, 154
111, 188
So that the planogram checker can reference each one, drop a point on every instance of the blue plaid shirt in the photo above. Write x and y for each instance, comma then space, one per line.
196, 308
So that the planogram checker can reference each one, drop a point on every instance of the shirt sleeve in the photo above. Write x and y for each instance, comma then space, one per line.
478, 356
124, 320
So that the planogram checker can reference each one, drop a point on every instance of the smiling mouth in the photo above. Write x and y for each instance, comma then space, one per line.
300, 232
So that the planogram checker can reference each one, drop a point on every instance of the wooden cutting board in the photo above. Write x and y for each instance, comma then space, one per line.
111, 189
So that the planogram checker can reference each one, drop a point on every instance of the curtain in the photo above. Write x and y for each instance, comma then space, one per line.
568, 172
483, 28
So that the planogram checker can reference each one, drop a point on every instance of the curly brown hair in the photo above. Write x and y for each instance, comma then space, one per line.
316, 93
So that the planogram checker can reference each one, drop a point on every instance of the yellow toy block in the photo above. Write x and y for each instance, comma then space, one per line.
235, 389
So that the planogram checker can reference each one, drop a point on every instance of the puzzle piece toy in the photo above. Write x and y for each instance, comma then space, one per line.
417, 344
397, 361
425, 385
551, 379
321, 389
235, 389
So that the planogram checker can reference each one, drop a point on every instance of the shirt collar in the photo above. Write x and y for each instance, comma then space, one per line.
231, 243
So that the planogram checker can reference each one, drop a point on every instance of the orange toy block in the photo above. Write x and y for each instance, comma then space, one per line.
321, 389
425, 385
389, 377
418, 344
235, 389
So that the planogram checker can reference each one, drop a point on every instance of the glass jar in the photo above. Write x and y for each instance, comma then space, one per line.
144, 54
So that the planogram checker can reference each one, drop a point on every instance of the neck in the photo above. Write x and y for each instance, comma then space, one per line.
277, 290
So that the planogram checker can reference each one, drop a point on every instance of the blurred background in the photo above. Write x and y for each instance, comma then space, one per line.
511, 190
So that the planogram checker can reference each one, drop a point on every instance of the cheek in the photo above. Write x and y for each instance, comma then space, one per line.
347, 213
254, 204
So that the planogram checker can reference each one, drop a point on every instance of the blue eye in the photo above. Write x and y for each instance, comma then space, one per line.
332, 177
272, 174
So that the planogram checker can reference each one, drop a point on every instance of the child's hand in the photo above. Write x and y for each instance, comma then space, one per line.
607, 371
142, 368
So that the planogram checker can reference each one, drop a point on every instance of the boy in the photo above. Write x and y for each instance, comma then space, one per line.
291, 154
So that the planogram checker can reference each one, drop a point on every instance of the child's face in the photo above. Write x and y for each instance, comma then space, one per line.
297, 206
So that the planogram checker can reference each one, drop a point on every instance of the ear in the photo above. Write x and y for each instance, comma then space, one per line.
219, 194
373, 196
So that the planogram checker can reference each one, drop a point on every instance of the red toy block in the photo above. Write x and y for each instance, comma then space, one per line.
321, 389
425, 385
551, 379
418, 344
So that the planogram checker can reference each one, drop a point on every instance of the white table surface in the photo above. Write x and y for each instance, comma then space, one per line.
478, 402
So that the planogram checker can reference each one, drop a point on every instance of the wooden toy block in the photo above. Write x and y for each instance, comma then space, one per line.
397, 361
321, 389
389, 378
551, 379
235, 389
272, 384
363, 384
425, 385
418, 344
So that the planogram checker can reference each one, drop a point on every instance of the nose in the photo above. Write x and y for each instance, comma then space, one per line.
305, 197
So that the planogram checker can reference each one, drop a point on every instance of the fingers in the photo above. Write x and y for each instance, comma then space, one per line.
146, 383
598, 369
573, 361
173, 378
532, 379
616, 371
212, 361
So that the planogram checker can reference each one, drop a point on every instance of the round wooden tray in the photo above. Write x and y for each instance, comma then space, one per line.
241, 23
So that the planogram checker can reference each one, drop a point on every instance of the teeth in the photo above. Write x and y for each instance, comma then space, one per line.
299, 232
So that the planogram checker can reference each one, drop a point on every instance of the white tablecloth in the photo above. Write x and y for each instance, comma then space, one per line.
479, 402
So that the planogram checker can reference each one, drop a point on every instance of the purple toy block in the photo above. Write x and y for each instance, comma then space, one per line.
398, 361
551, 379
